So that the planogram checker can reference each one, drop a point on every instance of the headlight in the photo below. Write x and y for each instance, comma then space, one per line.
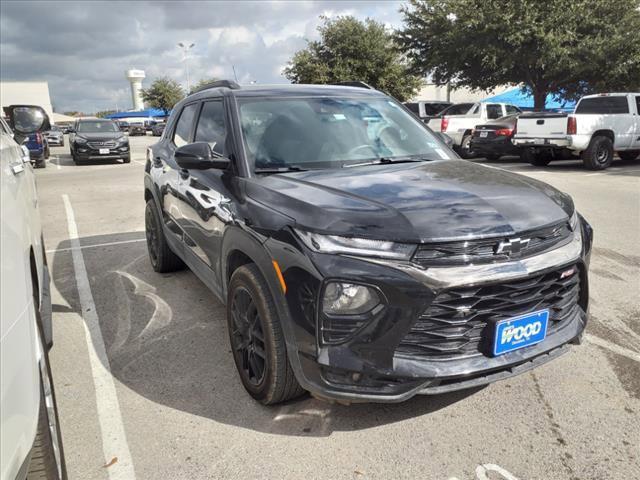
80, 139
574, 221
122, 139
356, 246
348, 299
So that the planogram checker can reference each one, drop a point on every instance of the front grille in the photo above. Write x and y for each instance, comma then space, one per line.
107, 144
485, 250
460, 322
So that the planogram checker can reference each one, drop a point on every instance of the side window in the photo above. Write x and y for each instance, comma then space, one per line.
511, 110
182, 133
494, 111
211, 127
603, 105
414, 107
638, 104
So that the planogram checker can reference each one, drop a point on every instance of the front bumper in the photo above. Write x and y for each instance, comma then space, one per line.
368, 367
84, 152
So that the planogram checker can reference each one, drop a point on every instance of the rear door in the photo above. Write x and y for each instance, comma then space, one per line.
636, 137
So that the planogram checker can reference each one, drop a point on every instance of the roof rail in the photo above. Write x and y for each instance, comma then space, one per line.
217, 84
356, 83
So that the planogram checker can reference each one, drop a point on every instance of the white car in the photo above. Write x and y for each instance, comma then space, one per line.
599, 126
30, 443
459, 120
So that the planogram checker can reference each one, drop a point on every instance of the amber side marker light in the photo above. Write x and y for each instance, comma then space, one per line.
276, 267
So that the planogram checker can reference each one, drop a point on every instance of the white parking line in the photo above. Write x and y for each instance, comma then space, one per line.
114, 439
97, 245
141, 163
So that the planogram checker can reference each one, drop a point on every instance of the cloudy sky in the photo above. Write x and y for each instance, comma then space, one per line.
83, 48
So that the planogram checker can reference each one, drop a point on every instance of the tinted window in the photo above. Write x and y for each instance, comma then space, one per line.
432, 109
511, 110
185, 122
211, 126
603, 105
638, 104
458, 109
414, 107
494, 111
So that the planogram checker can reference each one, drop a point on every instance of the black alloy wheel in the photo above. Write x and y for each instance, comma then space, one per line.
247, 337
162, 258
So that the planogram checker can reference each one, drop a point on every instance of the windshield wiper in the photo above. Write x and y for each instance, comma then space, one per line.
291, 168
387, 160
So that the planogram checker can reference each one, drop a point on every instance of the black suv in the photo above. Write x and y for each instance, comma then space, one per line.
358, 257
97, 139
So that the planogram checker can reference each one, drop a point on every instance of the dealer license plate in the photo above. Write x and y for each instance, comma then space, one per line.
104, 151
518, 332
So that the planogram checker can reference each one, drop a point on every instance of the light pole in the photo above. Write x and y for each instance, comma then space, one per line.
185, 52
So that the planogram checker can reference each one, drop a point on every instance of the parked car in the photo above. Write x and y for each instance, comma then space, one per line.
426, 109
157, 129
493, 140
65, 128
30, 440
458, 121
357, 256
123, 126
98, 139
55, 136
136, 129
599, 126
38, 149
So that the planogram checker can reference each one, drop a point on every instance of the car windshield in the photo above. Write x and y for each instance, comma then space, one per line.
331, 132
97, 127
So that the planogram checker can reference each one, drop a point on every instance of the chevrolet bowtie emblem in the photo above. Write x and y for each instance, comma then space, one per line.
514, 245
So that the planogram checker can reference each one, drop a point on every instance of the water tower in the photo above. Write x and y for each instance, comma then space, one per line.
135, 78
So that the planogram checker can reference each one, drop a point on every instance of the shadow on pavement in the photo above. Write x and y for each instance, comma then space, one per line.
166, 338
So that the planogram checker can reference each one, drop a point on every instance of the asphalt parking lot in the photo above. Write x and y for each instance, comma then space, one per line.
147, 387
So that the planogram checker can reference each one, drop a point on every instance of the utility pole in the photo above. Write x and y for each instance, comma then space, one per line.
185, 53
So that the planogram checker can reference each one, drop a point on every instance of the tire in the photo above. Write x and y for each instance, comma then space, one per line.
127, 159
47, 459
599, 153
162, 258
629, 155
255, 333
536, 159
62, 143
464, 149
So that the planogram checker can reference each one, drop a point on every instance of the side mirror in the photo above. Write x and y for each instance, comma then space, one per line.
199, 156
27, 119
445, 138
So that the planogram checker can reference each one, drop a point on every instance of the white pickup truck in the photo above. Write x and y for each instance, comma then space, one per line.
599, 126
459, 120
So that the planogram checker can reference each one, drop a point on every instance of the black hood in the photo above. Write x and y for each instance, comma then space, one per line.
100, 135
413, 202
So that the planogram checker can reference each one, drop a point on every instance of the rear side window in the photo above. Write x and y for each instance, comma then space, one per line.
414, 107
638, 104
211, 126
458, 109
494, 111
434, 108
511, 110
603, 105
182, 133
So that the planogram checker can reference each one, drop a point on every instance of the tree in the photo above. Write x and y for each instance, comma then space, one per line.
104, 113
352, 50
163, 93
567, 48
202, 82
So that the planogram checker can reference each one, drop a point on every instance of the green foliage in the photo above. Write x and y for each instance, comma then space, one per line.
352, 50
163, 93
202, 82
104, 113
564, 47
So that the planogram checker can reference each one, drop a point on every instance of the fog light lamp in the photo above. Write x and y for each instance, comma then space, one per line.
348, 299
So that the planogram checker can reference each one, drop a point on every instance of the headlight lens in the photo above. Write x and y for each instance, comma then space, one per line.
574, 221
80, 139
348, 299
356, 246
